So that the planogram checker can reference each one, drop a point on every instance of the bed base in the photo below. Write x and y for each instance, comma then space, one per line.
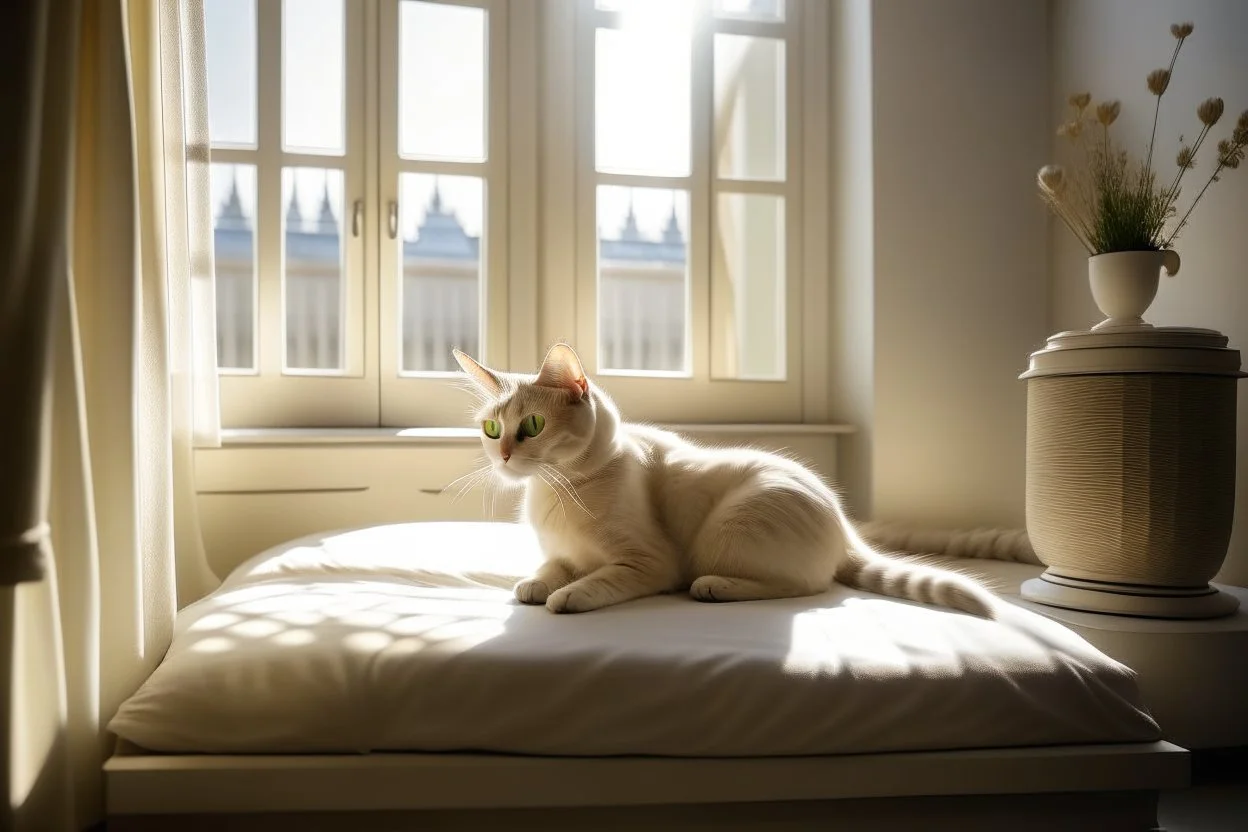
1070, 812
1096, 787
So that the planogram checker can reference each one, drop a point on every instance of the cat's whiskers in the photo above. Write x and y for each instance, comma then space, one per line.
560, 490
567, 486
554, 490
469, 485
499, 486
570, 485
469, 480
474, 472
479, 398
489, 495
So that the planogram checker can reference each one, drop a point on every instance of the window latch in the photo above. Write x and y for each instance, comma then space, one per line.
357, 215
393, 219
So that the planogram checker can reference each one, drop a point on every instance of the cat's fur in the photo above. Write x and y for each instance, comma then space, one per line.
625, 510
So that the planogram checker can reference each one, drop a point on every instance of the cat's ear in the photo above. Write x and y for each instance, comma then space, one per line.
485, 379
561, 368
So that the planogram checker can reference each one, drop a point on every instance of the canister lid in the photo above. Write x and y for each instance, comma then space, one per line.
1136, 349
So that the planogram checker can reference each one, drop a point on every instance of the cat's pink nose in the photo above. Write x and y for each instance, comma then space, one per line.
506, 455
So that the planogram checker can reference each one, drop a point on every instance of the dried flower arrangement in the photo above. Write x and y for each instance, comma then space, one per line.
1111, 204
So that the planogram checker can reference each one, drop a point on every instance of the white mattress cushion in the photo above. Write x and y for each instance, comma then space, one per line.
406, 637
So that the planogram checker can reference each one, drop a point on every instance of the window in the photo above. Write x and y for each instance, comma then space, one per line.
688, 128
288, 128
443, 184
394, 178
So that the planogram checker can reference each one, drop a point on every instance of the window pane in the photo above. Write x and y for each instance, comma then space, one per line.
643, 279
768, 10
747, 288
313, 58
749, 107
669, 14
440, 220
234, 253
230, 44
642, 101
313, 268
441, 81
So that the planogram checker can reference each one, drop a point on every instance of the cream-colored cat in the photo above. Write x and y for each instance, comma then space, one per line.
624, 510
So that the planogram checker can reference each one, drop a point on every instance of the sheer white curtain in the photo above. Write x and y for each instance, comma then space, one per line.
109, 381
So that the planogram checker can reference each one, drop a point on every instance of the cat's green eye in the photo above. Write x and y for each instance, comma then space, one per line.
532, 425
491, 428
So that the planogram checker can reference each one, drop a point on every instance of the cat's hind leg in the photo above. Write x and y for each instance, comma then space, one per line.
764, 540
723, 588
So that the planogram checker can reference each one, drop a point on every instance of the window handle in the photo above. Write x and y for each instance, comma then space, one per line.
393, 219
357, 216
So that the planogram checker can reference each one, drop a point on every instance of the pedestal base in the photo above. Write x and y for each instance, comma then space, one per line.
1128, 599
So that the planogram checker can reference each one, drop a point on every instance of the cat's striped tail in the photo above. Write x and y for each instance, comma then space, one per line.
898, 578
987, 543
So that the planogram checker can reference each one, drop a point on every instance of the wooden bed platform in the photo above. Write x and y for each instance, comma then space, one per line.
1095, 787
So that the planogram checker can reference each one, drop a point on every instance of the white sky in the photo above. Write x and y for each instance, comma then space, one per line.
643, 87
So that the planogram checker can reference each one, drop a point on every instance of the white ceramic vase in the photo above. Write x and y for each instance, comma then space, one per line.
1124, 284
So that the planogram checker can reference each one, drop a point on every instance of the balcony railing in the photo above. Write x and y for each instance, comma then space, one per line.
642, 320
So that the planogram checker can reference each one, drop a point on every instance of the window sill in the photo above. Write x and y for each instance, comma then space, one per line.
267, 437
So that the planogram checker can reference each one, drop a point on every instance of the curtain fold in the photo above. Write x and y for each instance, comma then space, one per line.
126, 371
38, 62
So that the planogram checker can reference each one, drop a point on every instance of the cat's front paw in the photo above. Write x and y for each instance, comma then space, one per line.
571, 599
531, 591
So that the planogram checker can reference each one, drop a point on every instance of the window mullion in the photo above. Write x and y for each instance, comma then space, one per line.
756, 28
701, 210
795, 275
495, 278
812, 33
522, 184
355, 328
478, 169
558, 143
233, 155
371, 84
586, 181
387, 194
269, 187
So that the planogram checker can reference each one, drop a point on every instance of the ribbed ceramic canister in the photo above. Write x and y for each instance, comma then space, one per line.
1131, 455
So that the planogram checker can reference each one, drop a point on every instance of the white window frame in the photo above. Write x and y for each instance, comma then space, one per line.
268, 396
427, 398
569, 201
539, 238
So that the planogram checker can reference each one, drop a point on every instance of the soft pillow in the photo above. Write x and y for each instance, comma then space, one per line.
406, 637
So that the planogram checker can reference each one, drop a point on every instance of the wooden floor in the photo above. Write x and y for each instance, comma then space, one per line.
1217, 800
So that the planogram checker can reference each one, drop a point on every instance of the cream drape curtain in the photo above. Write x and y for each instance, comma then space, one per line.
122, 252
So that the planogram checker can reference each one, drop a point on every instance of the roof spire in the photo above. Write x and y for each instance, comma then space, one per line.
326, 223
671, 232
630, 230
231, 215
440, 235
435, 203
294, 217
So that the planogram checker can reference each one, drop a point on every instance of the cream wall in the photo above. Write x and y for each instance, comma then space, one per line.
851, 247
958, 250
1107, 47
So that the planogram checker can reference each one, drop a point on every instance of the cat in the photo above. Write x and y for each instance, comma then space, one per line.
624, 510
